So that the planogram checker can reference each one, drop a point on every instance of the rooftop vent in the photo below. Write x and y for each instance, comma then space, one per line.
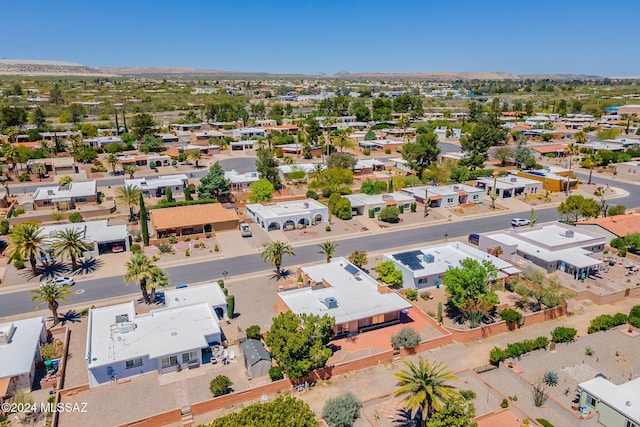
627, 403
568, 233
121, 318
331, 302
456, 188
513, 179
429, 259
306, 205
126, 327
5, 334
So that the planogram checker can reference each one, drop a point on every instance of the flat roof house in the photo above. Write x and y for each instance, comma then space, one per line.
211, 293
424, 267
56, 165
446, 196
285, 170
510, 186
101, 141
367, 166
65, 198
185, 220
20, 342
248, 133
155, 187
551, 246
353, 298
553, 179
362, 203
278, 216
616, 405
105, 238
123, 344
241, 181
612, 227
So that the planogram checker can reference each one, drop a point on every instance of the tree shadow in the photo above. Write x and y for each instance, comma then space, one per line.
404, 419
47, 271
71, 316
87, 266
284, 274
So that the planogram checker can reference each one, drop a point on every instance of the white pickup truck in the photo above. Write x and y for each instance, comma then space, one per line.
245, 230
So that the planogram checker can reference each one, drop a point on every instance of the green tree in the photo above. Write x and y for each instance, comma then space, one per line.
40, 169
504, 154
214, 185
139, 269
341, 160
424, 387
341, 411
358, 258
373, 187
581, 137
55, 95
267, 166
328, 249
26, 241
456, 412
274, 252
144, 227
112, 161
168, 194
39, 118
469, 288
389, 214
284, 410
407, 337
388, 273
65, 181
571, 150
89, 130
71, 243
130, 170
51, 294
11, 116
76, 111
299, 343
220, 385
158, 279
590, 162
576, 207
422, 153
261, 191
336, 180
128, 196
143, 124
476, 145
150, 144
195, 156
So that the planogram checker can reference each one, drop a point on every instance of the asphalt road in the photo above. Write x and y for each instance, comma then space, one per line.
113, 287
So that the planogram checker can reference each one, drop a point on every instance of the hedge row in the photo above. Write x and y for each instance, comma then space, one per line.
605, 322
497, 354
165, 204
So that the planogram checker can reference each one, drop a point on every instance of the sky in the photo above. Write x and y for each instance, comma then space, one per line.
309, 37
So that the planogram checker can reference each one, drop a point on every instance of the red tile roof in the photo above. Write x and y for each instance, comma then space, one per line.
620, 225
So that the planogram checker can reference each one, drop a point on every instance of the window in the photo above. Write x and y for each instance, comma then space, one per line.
169, 361
591, 401
81, 199
475, 197
133, 363
630, 424
377, 209
378, 319
189, 357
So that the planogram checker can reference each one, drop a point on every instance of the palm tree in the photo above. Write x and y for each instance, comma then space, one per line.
112, 161
590, 162
424, 387
571, 150
140, 270
11, 156
50, 293
65, 180
131, 170
128, 197
196, 156
581, 137
70, 243
26, 242
328, 249
39, 168
158, 279
274, 253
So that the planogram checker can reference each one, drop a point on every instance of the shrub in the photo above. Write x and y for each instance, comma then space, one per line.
412, 295
165, 248
605, 322
513, 350
562, 334
187, 253
253, 332
504, 403
136, 247
634, 316
55, 350
216, 248
18, 263
4, 227
372, 213
407, 337
544, 422
275, 373
341, 411
75, 217
389, 214
468, 394
17, 212
414, 206
550, 378
327, 228
401, 208
24, 177
366, 151
312, 195
220, 385
588, 351
387, 151
207, 234
510, 315
186, 239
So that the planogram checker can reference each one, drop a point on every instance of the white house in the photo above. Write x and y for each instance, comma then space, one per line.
211, 293
241, 181
278, 216
551, 246
66, 197
353, 298
510, 186
101, 141
156, 187
424, 267
103, 237
20, 342
285, 170
446, 196
362, 203
616, 405
123, 344
248, 133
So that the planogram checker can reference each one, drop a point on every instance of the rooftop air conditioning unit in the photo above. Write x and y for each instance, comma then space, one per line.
456, 188
306, 205
126, 327
429, 259
568, 233
331, 302
513, 179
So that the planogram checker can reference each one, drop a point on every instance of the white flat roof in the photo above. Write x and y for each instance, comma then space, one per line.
283, 209
76, 189
161, 332
94, 231
236, 177
625, 398
442, 190
210, 293
375, 199
445, 257
555, 235
157, 182
16, 357
355, 292
306, 167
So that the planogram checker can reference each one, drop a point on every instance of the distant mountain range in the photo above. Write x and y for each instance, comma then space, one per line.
60, 68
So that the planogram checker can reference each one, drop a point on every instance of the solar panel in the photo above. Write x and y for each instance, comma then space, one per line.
411, 259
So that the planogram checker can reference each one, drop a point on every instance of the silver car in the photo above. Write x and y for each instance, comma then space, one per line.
519, 222
60, 281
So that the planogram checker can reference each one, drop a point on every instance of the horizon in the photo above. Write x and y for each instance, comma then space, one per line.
310, 38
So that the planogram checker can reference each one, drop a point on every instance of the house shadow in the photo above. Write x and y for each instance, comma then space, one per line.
87, 266
403, 419
71, 316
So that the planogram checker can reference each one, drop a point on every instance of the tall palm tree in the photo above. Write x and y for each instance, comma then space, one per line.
113, 162
65, 180
130, 170
590, 162
128, 196
328, 249
26, 242
424, 387
196, 156
140, 270
11, 156
39, 169
581, 137
571, 150
71, 243
274, 253
159, 279
51, 293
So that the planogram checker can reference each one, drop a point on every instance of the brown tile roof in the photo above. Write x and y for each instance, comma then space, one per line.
620, 225
549, 148
191, 216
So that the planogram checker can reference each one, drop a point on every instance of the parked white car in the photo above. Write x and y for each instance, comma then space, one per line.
60, 281
519, 222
